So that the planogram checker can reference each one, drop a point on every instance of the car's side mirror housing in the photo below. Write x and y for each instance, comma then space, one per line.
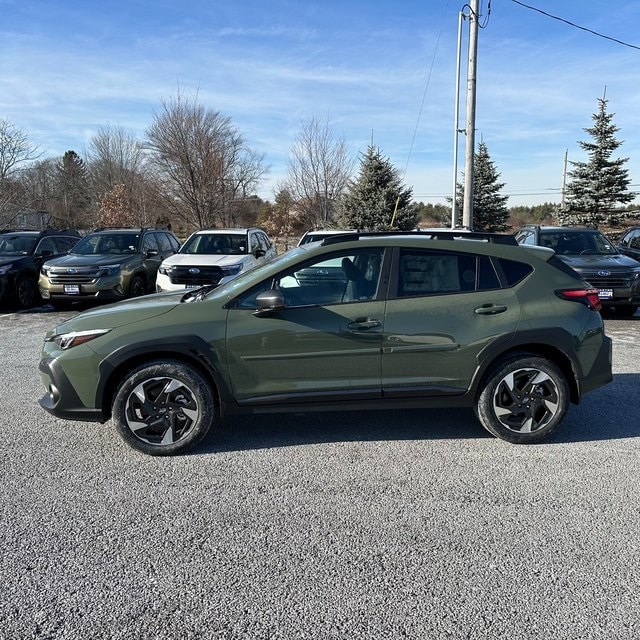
269, 302
258, 253
151, 253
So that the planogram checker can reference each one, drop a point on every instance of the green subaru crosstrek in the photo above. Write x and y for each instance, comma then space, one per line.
359, 321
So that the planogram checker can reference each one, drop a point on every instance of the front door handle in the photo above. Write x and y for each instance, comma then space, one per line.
363, 324
490, 309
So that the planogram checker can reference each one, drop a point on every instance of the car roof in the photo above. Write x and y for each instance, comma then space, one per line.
430, 234
563, 229
224, 231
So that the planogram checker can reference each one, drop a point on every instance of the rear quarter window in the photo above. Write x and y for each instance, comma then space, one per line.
514, 271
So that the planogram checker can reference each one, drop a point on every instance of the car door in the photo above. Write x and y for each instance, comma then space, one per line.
443, 309
629, 244
325, 345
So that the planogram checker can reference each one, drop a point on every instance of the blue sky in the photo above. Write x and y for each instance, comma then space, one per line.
379, 69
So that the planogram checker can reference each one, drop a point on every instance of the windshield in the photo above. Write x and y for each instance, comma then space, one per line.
226, 244
108, 243
16, 244
577, 243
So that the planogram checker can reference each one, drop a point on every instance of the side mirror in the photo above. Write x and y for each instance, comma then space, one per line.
45, 254
258, 253
269, 302
151, 253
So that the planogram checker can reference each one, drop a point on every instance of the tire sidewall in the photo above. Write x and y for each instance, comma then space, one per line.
196, 384
137, 283
484, 406
32, 287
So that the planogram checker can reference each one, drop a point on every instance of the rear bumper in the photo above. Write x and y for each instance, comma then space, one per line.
601, 372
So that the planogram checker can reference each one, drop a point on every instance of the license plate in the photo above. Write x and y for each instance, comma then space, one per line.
72, 289
605, 294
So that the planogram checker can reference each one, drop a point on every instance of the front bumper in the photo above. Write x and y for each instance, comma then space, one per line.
61, 399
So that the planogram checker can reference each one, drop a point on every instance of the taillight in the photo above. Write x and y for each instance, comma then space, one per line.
588, 297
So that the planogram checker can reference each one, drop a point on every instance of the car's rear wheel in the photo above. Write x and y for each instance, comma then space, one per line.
27, 292
523, 399
137, 288
163, 408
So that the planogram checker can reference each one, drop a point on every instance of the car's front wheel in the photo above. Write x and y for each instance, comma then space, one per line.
523, 399
163, 408
137, 288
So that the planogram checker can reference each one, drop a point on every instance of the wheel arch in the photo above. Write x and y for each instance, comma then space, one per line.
559, 354
191, 351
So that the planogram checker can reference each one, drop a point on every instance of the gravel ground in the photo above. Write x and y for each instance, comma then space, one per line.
378, 525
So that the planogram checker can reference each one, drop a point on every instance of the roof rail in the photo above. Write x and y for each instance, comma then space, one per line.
435, 234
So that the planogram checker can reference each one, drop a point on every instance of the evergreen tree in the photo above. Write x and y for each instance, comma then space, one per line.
490, 212
377, 200
599, 184
73, 200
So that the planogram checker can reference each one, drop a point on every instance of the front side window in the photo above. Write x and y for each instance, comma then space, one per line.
339, 278
150, 243
46, 244
65, 243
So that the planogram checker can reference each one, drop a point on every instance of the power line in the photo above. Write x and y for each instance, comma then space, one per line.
577, 26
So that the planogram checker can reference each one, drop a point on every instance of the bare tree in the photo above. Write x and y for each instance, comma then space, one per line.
118, 161
203, 162
319, 170
15, 150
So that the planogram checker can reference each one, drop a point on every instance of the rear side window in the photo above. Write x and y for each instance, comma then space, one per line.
424, 273
514, 271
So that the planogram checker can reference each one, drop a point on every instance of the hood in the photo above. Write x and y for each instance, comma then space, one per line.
120, 313
199, 260
75, 260
616, 262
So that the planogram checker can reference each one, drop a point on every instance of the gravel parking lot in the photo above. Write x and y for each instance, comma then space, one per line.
375, 525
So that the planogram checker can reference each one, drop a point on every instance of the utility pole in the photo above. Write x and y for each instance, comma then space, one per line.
456, 128
467, 212
564, 178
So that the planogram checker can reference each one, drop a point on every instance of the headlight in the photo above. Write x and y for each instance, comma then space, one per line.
5, 268
635, 273
109, 270
165, 271
232, 270
74, 338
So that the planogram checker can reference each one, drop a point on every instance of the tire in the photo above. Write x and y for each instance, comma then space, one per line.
27, 293
523, 399
137, 288
60, 305
163, 408
626, 312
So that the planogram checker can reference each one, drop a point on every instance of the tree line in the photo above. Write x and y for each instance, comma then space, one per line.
194, 169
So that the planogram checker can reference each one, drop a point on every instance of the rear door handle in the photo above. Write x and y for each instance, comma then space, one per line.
490, 309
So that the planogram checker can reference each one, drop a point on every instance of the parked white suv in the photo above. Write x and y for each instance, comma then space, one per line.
214, 256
